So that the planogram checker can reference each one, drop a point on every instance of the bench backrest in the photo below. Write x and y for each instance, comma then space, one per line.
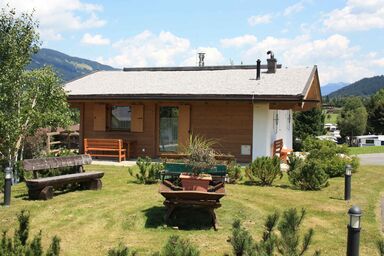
219, 170
277, 146
103, 143
56, 162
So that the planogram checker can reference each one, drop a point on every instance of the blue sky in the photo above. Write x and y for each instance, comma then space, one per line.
344, 38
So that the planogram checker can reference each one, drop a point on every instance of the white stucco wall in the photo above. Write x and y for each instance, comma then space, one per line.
269, 125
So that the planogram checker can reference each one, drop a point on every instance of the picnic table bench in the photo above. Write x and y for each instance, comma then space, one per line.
108, 148
280, 151
43, 188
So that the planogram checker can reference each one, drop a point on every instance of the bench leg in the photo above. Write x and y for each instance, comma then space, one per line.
214, 219
95, 184
170, 209
44, 194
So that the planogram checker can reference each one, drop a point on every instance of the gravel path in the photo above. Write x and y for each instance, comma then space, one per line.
372, 159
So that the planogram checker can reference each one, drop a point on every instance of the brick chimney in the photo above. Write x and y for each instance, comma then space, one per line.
271, 63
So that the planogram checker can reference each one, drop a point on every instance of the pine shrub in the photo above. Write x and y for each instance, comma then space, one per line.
234, 172
380, 247
241, 240
177, 246
121, 250
307, 174
19, 245
149, 172
264, 170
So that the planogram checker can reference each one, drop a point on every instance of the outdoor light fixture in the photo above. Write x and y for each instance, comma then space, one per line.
354, 217
348, 169
7, 186
354, 228
347, 182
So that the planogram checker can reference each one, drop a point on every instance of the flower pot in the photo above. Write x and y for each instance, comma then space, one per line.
195, 183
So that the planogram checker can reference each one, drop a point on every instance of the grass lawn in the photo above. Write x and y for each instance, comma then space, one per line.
366, 150
331, 118
91, 222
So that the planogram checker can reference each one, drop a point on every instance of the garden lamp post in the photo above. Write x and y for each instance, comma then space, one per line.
347, 183
354, 228
7, 186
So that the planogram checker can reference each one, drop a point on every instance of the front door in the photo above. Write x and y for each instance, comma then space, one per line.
174, 125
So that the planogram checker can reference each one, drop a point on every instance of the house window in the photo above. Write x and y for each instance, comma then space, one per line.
169, 129
121, 118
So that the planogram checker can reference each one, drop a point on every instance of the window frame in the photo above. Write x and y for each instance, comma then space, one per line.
110, 128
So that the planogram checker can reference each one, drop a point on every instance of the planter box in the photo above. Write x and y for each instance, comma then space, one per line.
195, 183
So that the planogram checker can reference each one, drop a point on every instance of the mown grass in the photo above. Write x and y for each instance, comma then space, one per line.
331, 118
366, 150
91, 222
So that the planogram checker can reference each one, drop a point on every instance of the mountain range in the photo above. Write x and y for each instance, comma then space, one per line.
363, 87
67, 67
331, 87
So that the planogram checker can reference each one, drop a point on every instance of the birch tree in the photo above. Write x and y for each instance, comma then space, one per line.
28, 99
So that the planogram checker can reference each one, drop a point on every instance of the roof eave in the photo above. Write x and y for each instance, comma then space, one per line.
234, 97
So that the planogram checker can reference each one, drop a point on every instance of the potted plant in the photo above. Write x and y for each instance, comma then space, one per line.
200, 159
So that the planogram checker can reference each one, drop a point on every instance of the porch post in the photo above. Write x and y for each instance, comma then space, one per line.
261, 131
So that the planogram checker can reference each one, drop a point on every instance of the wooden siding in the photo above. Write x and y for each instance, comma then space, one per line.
230, 123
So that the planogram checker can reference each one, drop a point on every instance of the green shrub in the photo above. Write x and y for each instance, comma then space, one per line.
149, 172
265, 170
241, 240
121, 250
306, 174
177, 246
284, 242
19, 245
380, 247
289, 229
234, 172
200, 155
333, 158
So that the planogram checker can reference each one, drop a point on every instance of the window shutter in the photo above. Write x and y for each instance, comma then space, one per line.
137, 118
99, 117
184, 124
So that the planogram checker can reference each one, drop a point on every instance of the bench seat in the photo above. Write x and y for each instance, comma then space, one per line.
58, 181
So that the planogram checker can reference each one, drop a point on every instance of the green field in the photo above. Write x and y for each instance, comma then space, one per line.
91, 222
366, 150
331, 118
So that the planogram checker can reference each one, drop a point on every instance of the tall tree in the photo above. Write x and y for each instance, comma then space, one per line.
375, 109
353, 118
308, 123
28, 99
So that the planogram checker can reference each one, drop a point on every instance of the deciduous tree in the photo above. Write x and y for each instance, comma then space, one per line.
353, 118
28, 99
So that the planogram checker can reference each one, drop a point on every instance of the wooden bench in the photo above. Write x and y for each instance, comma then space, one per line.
173, 170
107, 148
280, 151
42, 188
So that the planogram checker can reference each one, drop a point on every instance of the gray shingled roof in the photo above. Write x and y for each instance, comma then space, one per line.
285, 82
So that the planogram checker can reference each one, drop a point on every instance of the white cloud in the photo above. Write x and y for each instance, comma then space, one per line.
238, 41
336, 58
357, 15
163, 49
56, 16
293, 9
148, 49
260, 19
95, 40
